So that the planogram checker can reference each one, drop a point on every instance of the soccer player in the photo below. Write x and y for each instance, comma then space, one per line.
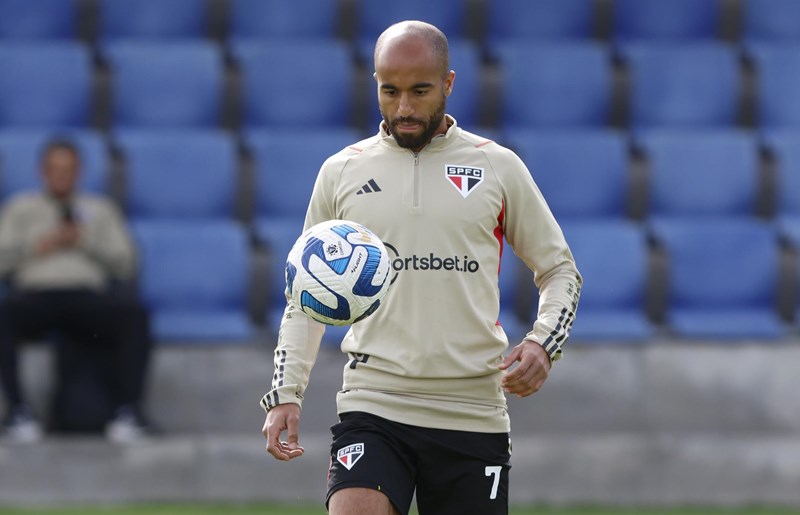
422, 407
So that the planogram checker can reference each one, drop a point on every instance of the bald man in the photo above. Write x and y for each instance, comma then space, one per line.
422, 407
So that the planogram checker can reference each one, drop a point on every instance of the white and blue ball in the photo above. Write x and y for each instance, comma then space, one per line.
337, 272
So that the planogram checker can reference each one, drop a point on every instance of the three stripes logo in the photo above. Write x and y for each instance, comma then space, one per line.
370, 187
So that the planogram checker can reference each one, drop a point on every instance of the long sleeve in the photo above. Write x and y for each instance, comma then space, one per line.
300, 336
106, 241
15, 245
534, 234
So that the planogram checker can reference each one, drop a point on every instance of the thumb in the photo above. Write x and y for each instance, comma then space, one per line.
512, 357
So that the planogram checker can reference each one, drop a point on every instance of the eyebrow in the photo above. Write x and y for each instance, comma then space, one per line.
418, 85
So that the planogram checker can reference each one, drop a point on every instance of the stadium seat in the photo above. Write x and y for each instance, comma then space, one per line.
511, 281
580, 173
20, 154
278, 236
521, 20
286, 164
612, 256
785, 148
45, 85
175, 84
465, 101
771, 20
554, 84
777, 71
318, 93
682, 85
186, 174
374, 17
194, 279
701, 173
722, 278
666, 20
37, 19
153, 19
282, 20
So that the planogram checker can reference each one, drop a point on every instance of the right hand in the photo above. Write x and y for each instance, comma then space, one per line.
67, 235
284, 417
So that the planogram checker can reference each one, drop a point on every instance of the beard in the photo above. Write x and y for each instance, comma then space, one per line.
429, 127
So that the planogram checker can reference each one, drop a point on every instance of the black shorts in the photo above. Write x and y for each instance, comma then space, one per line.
452, 472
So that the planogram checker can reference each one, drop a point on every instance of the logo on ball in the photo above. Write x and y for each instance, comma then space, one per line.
337, 272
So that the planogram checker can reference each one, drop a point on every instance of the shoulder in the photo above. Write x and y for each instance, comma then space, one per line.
338, 161
497, 156
24, 201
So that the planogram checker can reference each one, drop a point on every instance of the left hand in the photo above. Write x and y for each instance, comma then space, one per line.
530, 373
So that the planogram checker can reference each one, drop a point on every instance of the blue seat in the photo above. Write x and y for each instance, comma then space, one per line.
45, 85
286, 164
701, 173
20, 155
279, 19
666, 20
176, 84
777, 71
318, 93
194, 279
555, 84
515, 20
374, 17
278, 235
153, 19
612, 256
580, 173
722, 278
512, 274
189, 174
37, 19
682, 85
785, 148
771, 20
465, 101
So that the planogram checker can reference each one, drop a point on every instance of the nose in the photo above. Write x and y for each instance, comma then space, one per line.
404, 107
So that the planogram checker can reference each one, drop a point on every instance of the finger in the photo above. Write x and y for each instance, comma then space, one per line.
512, 357
292, 453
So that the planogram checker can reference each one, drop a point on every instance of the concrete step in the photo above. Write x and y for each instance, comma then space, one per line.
616, 468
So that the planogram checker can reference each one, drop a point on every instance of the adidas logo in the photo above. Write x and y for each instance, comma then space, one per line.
369, 187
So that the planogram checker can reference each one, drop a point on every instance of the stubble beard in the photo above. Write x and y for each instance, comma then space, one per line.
429, 127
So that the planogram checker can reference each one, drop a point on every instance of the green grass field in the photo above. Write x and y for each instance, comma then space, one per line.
263, 509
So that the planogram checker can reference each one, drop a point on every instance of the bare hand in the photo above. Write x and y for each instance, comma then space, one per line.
284, 417
530, 373
67, 235
70, 234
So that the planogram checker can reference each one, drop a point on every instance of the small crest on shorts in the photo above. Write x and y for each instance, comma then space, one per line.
348, 456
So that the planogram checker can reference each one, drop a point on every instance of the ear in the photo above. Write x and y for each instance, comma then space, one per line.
448, 82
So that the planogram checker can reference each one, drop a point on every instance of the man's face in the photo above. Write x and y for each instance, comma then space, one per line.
412, 92
60, 170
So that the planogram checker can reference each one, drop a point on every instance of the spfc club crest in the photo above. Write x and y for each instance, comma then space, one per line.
348, 456
464, 178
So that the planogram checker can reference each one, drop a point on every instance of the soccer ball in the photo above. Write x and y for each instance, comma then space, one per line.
337, 272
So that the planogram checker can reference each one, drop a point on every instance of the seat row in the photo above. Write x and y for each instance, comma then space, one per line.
723, 279
583, 174
567, 84
494, 20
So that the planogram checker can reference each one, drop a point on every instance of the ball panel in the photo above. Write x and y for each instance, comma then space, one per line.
338, 271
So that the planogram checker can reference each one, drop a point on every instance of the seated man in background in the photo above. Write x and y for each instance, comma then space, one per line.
62, 252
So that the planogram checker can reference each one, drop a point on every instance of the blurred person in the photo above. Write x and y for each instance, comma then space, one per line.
63, 252
422, 408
